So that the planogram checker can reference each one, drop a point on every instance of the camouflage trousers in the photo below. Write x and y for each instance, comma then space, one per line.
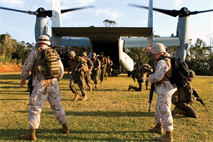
163, 115
81, 84
188, 110
103, 72
108, 71
38, 99
95, 76
88, 79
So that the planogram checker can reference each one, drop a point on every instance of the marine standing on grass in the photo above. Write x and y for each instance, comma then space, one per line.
109, 67
141, 76
89, 71
164, 89
183, 99
103, 60
77, 75
44, 89
96, 69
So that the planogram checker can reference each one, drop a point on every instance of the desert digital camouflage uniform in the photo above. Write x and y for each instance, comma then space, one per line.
183, 99
103, 61
39, 97
109, 67
89, 71
78, 76
141, 75
164, 89
96, 69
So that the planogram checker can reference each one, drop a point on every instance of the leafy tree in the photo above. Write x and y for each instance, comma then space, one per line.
109, 23
11, 50
199, 58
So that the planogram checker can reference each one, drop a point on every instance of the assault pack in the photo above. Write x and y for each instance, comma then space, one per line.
180, 72
47, 63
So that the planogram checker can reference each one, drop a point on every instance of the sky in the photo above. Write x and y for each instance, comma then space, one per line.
21, 26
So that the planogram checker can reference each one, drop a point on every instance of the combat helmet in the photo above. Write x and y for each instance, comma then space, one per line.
84, 54
94, 54
44, 39
71, 53
191, 73
101, 53
146, 65
158, 48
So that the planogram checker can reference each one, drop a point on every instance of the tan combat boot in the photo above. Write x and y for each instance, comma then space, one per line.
76, 97
96, 86
166, 138
177, 111
65, 128
130, 87
90, 88
84, 97
30, 136
157, 129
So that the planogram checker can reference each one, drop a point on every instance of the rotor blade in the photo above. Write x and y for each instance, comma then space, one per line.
48, 13
196, 12
173, 13
72, 9
28, 12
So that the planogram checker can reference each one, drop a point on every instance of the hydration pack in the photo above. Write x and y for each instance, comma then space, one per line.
180, 72
47, 63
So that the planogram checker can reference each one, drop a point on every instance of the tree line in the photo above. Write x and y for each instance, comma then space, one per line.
199, 57
12, 51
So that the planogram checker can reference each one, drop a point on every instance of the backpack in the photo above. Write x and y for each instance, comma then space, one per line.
48, 63
180, 72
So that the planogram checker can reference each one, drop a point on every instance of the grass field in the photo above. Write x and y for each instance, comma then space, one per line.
111, 113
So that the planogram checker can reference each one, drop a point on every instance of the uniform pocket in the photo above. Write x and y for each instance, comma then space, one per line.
165, 108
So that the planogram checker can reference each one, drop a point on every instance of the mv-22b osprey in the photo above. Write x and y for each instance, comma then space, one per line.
108, 39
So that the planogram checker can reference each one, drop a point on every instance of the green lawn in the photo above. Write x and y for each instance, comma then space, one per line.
111, 113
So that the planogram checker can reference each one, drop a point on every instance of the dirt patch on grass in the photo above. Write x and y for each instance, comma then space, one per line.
10, 68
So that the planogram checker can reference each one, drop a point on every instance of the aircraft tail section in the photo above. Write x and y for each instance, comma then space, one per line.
56, 22
124, 59
150, 23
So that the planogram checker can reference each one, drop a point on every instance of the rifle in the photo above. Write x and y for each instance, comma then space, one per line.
200, 100
76, 68
151, 95
31, 83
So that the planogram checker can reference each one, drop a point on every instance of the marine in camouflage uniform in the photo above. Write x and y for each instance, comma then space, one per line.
109, 67
96, 69
89, 71
183, 99
44, 89
77, 75
103, 60
141, 75
164, 90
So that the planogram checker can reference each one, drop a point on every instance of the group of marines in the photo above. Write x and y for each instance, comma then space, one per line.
82, 68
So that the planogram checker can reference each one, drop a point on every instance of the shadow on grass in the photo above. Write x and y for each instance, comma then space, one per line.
5, 82
14, 99
101, 113
10, 76
58, 135
15, 93
11, 86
